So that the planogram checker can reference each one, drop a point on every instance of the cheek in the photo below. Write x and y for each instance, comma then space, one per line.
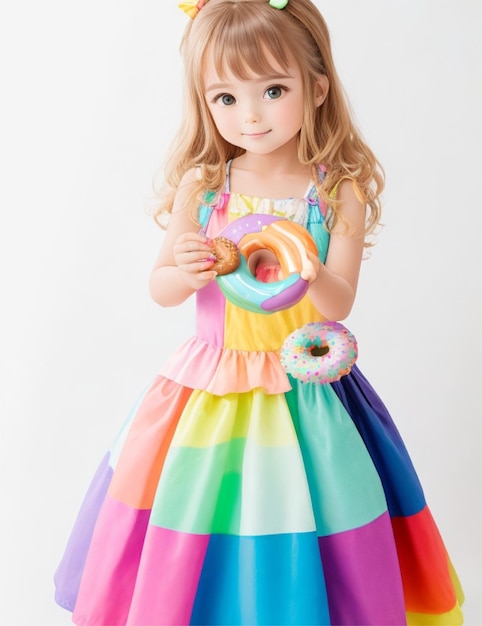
292, 113
221, 117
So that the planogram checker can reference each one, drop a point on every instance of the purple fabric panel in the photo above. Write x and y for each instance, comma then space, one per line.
68, 574
363, 576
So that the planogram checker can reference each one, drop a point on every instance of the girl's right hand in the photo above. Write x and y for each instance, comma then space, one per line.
193, 257
184, 263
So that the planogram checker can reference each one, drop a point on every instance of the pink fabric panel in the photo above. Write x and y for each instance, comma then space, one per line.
168, 578
221, 371
211, 306
243, 371
180, 368
111, 567
210, 301
219, 216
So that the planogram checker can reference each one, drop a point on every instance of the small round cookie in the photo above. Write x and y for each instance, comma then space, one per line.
226, 254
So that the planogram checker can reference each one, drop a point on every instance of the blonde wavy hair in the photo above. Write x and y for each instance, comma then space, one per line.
239, 35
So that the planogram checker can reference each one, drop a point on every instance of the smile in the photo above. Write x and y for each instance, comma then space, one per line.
254, 135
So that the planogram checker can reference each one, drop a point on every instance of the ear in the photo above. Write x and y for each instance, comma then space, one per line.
322, 87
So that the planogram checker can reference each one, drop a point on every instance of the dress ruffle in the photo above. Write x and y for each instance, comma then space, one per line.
221, 370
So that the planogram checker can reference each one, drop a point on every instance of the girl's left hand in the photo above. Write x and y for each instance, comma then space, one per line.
310, 271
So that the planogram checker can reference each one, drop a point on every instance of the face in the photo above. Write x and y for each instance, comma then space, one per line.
262, 114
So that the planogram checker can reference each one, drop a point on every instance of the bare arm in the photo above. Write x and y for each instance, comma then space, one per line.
182, 266
334, 289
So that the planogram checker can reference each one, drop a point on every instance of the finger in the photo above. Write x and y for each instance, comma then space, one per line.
194, 258
191, 237
198, 267
207, 276
197, 250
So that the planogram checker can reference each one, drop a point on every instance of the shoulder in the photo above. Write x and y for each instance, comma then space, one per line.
190, 178
346, 188
188, 185
350, 205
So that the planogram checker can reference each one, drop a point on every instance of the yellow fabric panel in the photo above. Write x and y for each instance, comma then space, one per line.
259, 332
210, 420
454, 617
456, 583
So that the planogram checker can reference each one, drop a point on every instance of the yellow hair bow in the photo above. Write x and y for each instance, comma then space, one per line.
193, 7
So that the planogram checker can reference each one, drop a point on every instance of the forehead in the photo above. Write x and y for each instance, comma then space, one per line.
217, 66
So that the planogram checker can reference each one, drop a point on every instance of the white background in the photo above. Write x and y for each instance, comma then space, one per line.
90, 99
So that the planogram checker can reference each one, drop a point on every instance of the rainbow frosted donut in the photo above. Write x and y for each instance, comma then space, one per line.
320, 352
290, 242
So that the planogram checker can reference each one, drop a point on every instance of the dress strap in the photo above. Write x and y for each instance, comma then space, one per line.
227, 184
213, 201
311, 193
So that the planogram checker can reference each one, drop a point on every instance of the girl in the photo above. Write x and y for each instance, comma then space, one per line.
235, 493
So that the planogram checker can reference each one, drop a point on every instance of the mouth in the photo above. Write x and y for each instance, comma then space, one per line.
255, 135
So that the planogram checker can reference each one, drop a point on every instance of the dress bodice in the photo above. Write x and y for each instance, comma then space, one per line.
237, 350
224, 324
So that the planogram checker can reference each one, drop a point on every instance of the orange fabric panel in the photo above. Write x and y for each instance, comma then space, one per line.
142, 458
424, 564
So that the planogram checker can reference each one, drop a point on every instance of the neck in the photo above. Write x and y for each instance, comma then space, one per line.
275, 175
282, 161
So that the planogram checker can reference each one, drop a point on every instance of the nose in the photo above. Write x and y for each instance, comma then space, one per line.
251, 113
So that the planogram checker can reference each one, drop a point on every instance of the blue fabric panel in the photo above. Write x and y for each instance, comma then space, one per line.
402, 488
280, 591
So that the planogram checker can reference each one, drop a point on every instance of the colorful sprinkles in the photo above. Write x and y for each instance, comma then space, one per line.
339, 352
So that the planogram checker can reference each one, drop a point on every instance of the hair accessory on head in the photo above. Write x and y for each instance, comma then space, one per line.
192, 7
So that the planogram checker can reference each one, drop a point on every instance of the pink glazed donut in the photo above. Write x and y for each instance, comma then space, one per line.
319, 352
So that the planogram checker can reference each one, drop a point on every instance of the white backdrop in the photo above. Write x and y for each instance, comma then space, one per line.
91, 95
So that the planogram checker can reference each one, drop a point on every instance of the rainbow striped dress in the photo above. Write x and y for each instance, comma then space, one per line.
235, 494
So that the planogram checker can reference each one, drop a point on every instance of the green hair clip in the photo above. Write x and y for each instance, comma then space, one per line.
278, 4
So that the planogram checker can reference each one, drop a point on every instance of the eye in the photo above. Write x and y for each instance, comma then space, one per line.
272, 93
226, 99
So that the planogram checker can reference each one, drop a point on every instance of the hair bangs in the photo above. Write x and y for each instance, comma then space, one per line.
245, 41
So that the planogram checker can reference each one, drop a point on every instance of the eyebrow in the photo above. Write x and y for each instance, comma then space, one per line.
261, 79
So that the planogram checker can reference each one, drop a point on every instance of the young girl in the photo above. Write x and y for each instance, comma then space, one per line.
237, 493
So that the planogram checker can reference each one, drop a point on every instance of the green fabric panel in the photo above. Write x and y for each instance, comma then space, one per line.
238, 487
346, 490
190, 487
